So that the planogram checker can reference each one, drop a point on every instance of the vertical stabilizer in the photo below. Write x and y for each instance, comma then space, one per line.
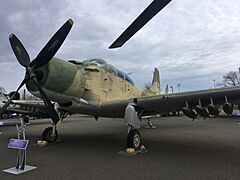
155, 88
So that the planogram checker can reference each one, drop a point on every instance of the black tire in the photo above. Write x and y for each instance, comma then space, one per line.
5, 116
26, 120
47, 135
134, 139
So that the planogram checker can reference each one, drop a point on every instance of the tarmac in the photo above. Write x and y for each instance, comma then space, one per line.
177, 149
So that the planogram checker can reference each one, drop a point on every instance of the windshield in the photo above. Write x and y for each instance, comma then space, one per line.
110, 68
99, 62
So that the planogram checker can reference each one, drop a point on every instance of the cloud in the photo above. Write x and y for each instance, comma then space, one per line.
191, 42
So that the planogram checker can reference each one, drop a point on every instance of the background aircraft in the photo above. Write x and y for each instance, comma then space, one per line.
21, 107
99, 89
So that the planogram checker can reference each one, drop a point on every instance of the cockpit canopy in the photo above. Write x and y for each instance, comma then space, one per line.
110, 68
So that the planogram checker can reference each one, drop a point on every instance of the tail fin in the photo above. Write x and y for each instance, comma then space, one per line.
155, 88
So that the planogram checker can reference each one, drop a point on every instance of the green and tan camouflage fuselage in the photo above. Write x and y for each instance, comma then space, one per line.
64, 81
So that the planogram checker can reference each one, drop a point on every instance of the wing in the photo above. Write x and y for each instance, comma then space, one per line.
26, 107
173, 102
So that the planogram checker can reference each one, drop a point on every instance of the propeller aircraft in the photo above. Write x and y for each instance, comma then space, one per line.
99, 89
24, 107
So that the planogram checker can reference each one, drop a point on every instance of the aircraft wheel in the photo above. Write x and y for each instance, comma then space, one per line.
134, 139
47, 135
26, 119
5, 116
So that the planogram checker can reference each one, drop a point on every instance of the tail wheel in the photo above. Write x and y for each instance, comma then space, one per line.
134, 139
48, 136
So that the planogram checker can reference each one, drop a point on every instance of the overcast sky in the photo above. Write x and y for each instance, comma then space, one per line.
191, 42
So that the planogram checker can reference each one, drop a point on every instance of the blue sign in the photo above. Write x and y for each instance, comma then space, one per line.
18, 143
1, 123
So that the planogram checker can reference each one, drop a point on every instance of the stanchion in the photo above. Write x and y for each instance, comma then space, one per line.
21, 145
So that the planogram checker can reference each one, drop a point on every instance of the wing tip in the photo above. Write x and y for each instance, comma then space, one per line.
70, 21
116, 44
11, 35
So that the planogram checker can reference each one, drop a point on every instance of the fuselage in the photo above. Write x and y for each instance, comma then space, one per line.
92, 80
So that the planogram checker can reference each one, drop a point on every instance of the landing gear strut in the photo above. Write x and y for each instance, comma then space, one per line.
150, 124
50, 134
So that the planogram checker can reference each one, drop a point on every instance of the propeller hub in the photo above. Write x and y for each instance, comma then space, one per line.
30, 73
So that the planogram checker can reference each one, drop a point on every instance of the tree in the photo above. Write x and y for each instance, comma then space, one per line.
232, 78
147, 86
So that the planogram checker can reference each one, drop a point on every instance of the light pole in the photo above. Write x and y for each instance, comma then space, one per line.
172, 89
214, 83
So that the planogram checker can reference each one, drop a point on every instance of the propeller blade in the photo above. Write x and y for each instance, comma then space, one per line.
51, 48
11, 98
19, 50
142, 19
49, 106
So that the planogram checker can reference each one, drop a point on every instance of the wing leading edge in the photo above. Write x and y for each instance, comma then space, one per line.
173, 102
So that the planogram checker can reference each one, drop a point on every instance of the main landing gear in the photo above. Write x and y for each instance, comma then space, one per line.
134, 140
50, 134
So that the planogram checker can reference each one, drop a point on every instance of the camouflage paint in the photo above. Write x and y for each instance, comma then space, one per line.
89, 82
155, 87
102, 85
62, 77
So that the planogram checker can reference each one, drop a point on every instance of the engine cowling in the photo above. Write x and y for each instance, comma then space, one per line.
60, 80
16, 97
213, 110
189, 112
228, 108
202, 111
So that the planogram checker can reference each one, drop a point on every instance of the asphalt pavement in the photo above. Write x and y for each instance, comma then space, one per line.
177, 149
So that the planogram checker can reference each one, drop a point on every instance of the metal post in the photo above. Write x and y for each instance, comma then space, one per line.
24, 94
24, 152
20, 166
172, 89
214, 83
21, 156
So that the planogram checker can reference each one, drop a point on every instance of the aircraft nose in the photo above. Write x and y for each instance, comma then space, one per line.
41, 75
58, 75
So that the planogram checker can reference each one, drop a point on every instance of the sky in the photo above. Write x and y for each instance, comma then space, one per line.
190, 42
